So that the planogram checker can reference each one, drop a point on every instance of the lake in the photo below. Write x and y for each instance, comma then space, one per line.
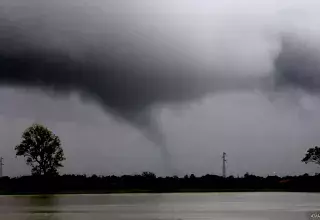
176, 206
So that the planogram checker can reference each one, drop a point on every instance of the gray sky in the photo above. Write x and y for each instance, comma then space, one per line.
130, 86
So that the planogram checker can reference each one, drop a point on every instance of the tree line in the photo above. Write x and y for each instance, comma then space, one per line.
148, 182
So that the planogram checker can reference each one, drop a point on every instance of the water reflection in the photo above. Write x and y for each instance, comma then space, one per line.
231, 206
42, 207
42, 200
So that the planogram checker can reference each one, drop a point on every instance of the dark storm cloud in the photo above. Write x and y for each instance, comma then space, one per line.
125, 85
124, 71
123, 78
118, 61
298, 64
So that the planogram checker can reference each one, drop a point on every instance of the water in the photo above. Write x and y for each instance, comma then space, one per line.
197, 206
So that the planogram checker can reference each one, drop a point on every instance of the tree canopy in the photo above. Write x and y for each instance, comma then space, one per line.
312, 155
42, 150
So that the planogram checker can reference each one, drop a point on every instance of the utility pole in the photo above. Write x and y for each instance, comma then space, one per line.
1, 164
224, 160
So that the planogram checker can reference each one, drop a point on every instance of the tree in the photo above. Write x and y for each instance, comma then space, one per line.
312, 155
42, 150
149, 175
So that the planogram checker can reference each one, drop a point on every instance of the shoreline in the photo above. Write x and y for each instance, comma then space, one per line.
119, 192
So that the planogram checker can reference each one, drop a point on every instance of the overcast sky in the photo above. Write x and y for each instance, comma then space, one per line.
163, 86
